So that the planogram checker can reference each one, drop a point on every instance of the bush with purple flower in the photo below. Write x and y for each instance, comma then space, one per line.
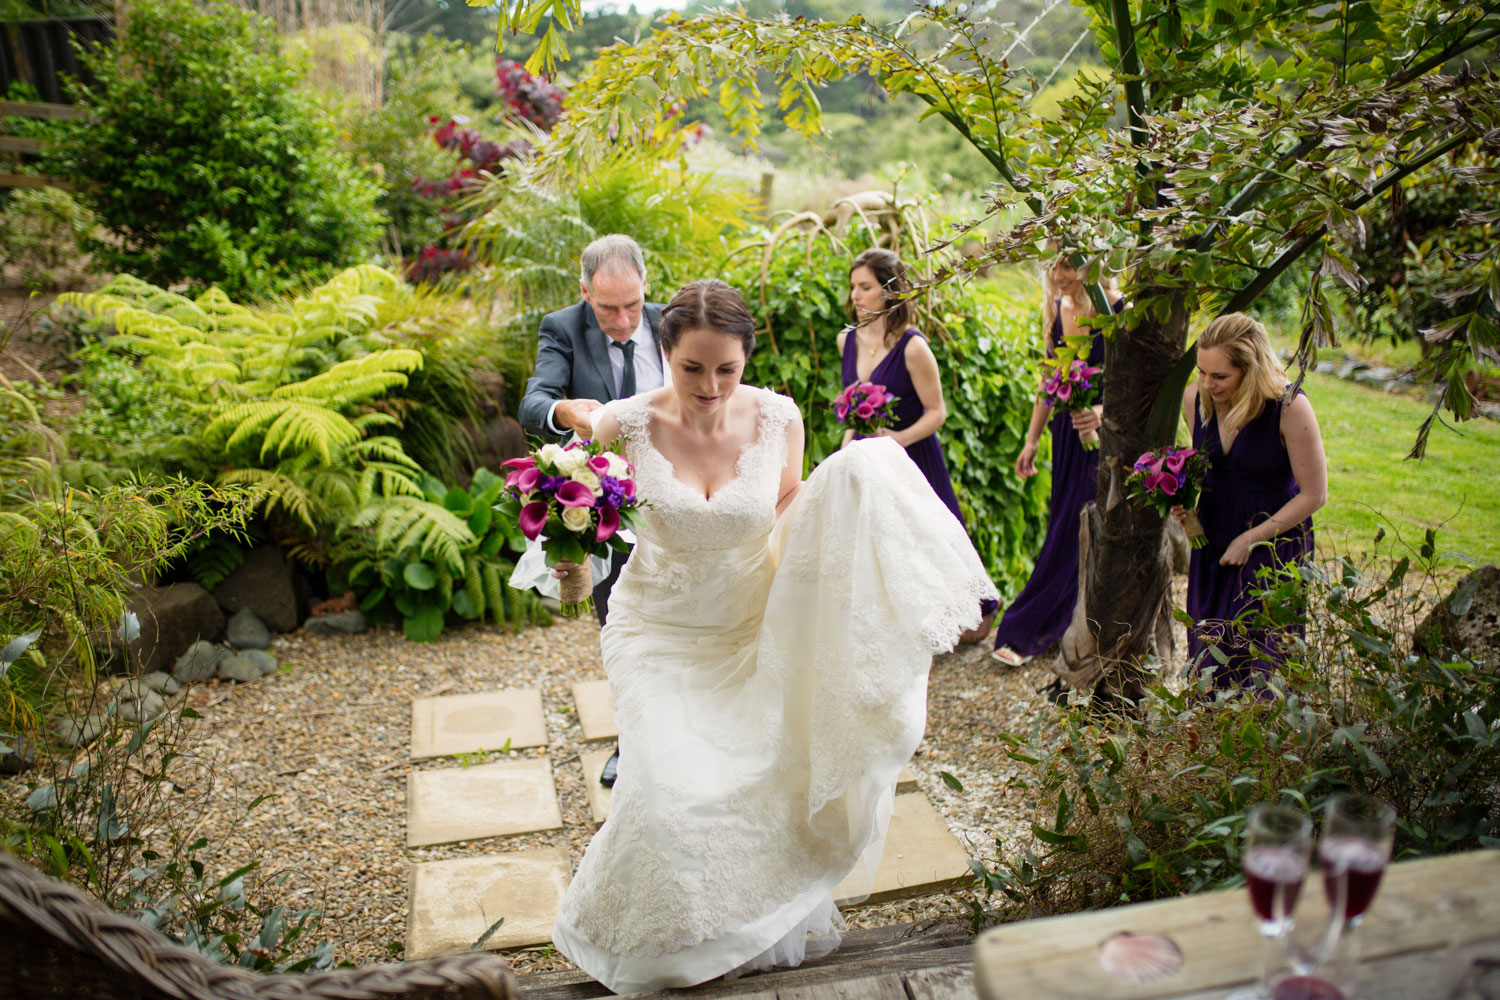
575, 500
865, 407
1171, 477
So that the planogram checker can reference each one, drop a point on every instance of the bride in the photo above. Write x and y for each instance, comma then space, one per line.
767, 647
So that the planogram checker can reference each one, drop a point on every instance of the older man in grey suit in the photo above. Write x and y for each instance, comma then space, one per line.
605, 347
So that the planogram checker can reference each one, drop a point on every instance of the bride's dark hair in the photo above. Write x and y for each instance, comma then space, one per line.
707, 305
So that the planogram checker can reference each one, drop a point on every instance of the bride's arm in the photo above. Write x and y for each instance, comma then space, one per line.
791, 473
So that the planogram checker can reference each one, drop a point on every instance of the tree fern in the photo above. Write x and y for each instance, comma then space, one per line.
415, 524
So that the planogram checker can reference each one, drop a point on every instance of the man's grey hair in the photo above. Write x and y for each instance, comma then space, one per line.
610, 253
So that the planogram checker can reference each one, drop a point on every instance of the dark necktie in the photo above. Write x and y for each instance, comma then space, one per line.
627, 377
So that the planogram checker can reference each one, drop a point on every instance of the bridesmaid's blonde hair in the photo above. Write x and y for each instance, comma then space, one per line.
1246, 345
1082, 306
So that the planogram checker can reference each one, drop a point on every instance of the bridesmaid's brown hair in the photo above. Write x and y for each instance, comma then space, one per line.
900, 310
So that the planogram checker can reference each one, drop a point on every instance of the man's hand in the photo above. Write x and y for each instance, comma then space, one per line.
576, 414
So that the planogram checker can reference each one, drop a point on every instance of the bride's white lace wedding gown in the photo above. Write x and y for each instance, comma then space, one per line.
770, 680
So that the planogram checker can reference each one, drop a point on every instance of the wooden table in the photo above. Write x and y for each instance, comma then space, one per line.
1430, 918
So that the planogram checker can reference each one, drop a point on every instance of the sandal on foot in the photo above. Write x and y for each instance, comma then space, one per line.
1010, 657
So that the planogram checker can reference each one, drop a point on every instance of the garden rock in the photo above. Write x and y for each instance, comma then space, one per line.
20, 757
148, 707
171, 618
239, 667
246, 631
79, 732
1467, 619
199, 662
262, 659
343, 623
160, 682
262, 583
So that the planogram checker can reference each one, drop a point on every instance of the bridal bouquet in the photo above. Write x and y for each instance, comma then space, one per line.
1069, 382
1169, 477
866, 407
576, 500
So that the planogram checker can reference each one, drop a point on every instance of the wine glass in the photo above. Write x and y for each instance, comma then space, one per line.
1354, 849
1278, 844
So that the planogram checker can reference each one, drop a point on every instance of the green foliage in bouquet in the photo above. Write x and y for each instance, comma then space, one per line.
797, 289
208, 162
1154, 805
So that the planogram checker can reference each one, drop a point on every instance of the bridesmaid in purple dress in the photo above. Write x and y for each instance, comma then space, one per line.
1267, 475
883, 347
1040, 613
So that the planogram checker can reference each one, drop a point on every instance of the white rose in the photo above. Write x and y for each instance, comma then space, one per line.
618, 467
550, 454
586, 477
576, 518
569, 462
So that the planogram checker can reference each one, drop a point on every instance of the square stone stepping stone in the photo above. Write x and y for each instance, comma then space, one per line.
596, 710
906, 781
465, 723
486, 800
452, 903
921, 856
599, 796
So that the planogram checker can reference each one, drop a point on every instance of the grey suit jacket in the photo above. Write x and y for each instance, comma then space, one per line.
572, 362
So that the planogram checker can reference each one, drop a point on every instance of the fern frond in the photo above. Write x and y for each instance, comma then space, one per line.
413, 524
278, 490
288, 425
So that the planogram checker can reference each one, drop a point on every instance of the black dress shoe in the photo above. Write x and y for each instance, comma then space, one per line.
611, 767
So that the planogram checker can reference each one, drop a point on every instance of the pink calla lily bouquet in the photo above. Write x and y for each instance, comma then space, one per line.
865, 407
575, 499
1170, 477
1069, 382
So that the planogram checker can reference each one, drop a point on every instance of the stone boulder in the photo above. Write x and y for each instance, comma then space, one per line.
79, 732
199, 663
246, 631
240, 667
19, 758
1468, 619
264, 584
171, 619
263, 660
149, 706
343, 623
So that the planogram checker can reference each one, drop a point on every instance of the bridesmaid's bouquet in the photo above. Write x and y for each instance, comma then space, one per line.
1169, 477
575, 499
865, 407
1069, 382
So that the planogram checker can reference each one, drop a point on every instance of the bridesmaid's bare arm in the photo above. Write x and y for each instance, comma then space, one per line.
923, 366
1304, 447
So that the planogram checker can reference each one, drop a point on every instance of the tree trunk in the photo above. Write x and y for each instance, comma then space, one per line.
1123, 617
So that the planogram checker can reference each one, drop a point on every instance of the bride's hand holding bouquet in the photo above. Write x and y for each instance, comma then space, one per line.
575, 499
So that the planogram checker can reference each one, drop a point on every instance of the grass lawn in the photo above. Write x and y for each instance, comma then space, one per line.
1455, 489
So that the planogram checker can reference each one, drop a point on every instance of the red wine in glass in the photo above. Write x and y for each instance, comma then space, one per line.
1274, 876
1361, 862
1306, 988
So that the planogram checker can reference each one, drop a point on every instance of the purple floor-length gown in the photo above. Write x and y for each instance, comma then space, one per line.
1039, 615
1242, 488
891, 372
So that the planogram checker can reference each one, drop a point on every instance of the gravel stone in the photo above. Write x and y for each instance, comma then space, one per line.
343, 623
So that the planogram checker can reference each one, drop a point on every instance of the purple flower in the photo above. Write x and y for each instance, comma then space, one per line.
532, 518
574, 494
613, 492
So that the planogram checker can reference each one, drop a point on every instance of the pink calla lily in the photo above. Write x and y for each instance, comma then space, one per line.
600, 465
609, 523
519, 463
575, 494
523, 480
864, 410
532, 519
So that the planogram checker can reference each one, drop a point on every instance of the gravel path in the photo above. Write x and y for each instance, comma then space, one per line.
327, 740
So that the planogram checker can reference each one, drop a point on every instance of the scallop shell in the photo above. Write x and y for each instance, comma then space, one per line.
1140, 958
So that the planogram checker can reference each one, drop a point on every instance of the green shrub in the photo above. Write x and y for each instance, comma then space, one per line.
985, 357
1151, 806
41, 234
206, 160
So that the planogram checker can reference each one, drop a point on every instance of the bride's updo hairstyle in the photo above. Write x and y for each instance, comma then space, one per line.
1245, 343
707, 305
